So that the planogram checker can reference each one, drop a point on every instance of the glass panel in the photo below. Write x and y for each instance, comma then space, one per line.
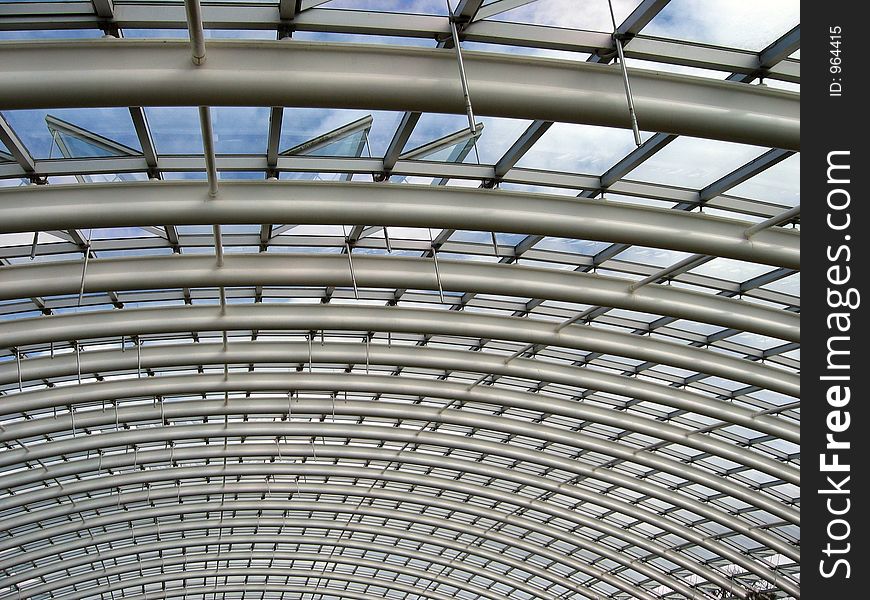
591, 15
780, 183
694, 162
745, 24
418, 7
33, 130
300, 125
731, 270
51, 34
585, 149
657, 257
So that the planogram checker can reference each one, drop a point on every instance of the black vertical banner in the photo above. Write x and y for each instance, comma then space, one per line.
835, 424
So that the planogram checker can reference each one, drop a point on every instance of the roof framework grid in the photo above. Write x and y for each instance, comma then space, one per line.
338, 341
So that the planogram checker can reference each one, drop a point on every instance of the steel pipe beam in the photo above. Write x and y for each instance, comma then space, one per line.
186, 203
147, 477
144, 580
122, 571
186, 591
399, 410
458, 526
62, 74
288, 317
122, 552
84, 443
320, 270
279, 451
367, 166
390, 514
261, 352
285, 501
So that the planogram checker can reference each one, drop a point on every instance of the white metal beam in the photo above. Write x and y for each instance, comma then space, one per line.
60, 74
179, 271
180, 203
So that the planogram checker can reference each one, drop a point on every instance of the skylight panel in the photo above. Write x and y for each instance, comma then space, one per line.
780, 183
693, 162
34, 130
591, 15
573, 148
744, 24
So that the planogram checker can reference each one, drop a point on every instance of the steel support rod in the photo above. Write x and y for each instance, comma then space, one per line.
617, 40
773, 221
469, 111
208, 150
195, 31
686, 264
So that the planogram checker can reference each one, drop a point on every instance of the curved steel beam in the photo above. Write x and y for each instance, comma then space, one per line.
132, 322
343, 353
279, 452
140, 547
227, 571
454, 507
46, 208
177, 474
285, 505
179, 271
187, 591
39, 74
378, 384
398, 434
206, 557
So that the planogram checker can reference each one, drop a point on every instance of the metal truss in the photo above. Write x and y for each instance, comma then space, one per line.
401, 361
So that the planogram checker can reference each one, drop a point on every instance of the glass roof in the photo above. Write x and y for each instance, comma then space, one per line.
393, 355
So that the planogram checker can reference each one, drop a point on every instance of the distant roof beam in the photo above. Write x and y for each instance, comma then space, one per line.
17, 149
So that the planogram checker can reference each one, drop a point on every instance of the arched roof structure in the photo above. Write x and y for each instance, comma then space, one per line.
317, 305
